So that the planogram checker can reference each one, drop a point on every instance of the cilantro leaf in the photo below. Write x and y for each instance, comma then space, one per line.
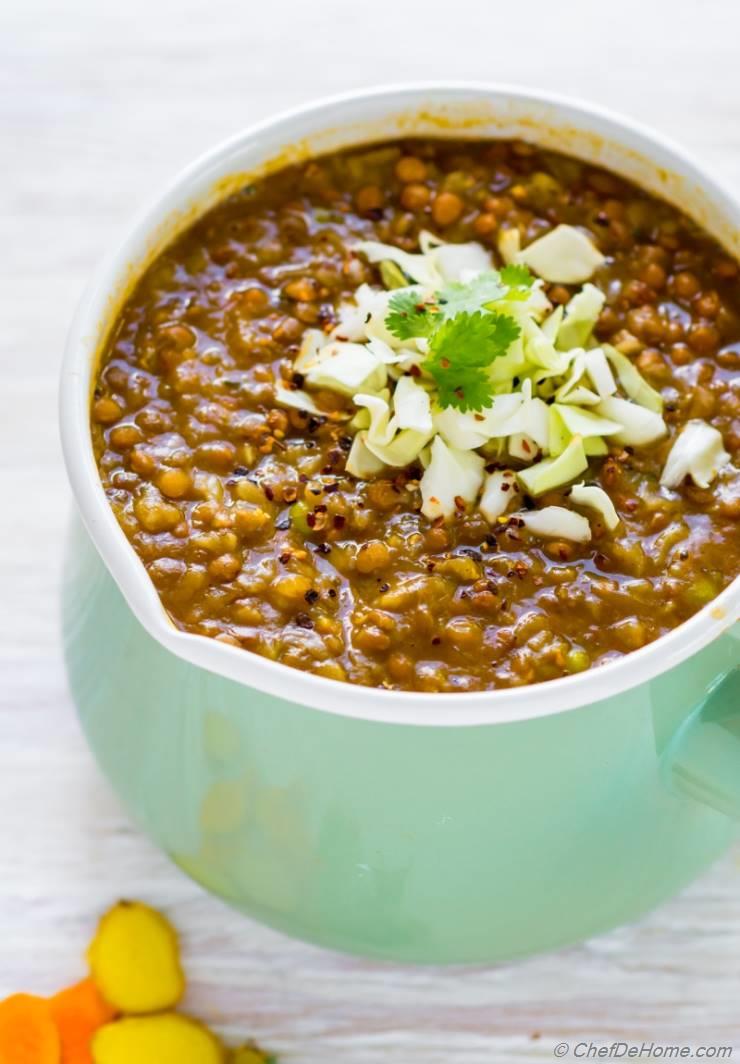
516, 275
460, 349
468, 389
458, 298
409, 316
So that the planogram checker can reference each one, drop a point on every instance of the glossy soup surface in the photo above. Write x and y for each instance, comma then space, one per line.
242, 513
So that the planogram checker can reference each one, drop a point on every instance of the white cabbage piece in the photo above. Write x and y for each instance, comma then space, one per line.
429, 241
595, 498
540, 351
361, 462
472, 429
451, 474
500, 490
698, 451
596, 366
460, 262
411, 406
380, 430
639, 426
565, 255
581, 396
558, 436
553, 473
556, 522
509, 244
419, 268
386, 354
390, 444
585, 423
346, 368
631, 380
551, 324
298, 399
314, 342
580, 316
405, 447
522, 446
595, 446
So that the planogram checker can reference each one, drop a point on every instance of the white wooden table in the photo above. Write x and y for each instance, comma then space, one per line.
99, 104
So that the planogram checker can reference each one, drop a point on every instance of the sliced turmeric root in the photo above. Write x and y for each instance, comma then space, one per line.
165, 1039
78, 1012
28, 1034
250, 1054
135, 960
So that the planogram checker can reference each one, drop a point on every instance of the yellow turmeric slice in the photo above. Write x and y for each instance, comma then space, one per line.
250, 1054
165, 1039
77, 1012
135, 960
27, 1031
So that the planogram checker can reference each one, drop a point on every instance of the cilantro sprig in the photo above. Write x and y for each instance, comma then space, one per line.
465, 333
410, 316
460, 351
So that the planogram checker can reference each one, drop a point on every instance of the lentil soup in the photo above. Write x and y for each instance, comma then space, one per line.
226, 465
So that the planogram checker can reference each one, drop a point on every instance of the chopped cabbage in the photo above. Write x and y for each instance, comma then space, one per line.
450, 475
597, 367
499, 491
509, 244
632, 382
698, 451
557, 522
297, 399
411, 406
584, 422
361, 462
595, 498
639, 426
553, 473
419, 268
346, 368
460, 262
581, 314
565, 255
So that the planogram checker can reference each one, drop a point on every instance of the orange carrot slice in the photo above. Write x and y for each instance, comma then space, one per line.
78, 1012
28, 1034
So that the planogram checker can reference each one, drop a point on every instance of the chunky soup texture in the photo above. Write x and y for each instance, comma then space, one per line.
242, 512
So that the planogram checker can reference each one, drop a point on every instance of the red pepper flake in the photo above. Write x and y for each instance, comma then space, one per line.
339, 522
311, 596
414, 371
269, 493
285, 557
436, 640
303, 620
459, 503
332, 592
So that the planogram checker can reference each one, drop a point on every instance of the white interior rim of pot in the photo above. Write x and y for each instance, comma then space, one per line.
253, 671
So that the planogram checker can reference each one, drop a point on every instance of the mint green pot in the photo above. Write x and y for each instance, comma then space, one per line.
429, 828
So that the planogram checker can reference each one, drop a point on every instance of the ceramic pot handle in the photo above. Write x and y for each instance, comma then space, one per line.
703, 758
